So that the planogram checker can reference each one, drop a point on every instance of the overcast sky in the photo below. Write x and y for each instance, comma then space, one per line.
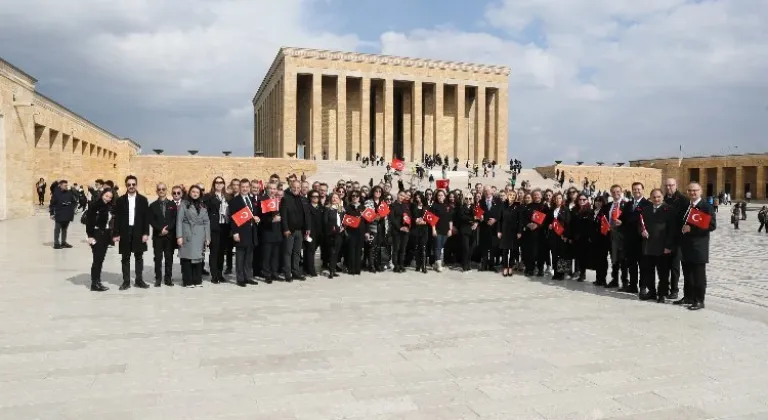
592, 80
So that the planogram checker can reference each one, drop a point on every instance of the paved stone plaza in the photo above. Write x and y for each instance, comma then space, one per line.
452, 346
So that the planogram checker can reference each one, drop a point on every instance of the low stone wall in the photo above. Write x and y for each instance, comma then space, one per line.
188, 170
605, 176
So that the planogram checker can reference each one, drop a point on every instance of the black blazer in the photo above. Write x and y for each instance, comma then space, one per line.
213, 204
661, 226
316, 222
157, 221
246, 231
508, 226
694, 245
631, 227
332, 221
100, 219
132, 243
465, 218
679, 204
396, 212
268, 229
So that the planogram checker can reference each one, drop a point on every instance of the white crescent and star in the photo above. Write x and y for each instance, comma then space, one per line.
696, 217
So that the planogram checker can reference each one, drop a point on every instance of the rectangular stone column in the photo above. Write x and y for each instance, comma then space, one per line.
316, 141
481, 137
429, 122
759, 193
389, 119
439, 135
341, 118
491, 125
416, 116
407, 106
720, 181
703, 181
365, 118
739, 195
460, 141
502, 126
289, 117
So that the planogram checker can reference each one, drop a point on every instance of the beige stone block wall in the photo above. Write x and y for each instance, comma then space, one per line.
188, 170
379, 107
407, 102
429, 119
353, 118
605, 176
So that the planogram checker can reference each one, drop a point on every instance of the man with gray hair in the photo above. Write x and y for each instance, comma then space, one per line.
162, 218
294, 218
679, 203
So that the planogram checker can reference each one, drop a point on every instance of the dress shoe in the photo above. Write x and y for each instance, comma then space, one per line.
682, 301
215, 280
98, 287
633, 290
647, 296
158, 283
695, 306
241, 284
66, 245
169, 282
141, 285
660, 299
268, 279
672, 296
57, 246
125, 286
612, 285
330, 275
251, 282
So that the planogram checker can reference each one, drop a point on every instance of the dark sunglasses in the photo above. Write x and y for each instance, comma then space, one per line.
177, 193
219, 182
161, 189
132, 184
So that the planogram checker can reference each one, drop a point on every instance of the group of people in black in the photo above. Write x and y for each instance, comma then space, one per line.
275, 230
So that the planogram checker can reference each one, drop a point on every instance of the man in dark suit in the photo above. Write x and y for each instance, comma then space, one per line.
162, 218
245, 235
488, 230
658, 231
270, 236
62, 209
295, 222
132, 231
633, 241
618, 256
694, 247
679, 203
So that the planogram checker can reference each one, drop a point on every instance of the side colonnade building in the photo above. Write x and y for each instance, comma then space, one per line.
317, 104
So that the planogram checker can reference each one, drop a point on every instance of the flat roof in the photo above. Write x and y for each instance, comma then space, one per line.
701, 157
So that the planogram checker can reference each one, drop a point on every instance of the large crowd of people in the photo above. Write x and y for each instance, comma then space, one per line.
274, 230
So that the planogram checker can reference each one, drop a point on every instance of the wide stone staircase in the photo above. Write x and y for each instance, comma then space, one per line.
331, 172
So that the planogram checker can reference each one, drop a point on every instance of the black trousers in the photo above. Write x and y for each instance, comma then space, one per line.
354, 255
243, 263
399, 245
292, 253
335, 243
674, 271
270, 256
420, 249
162, 247
191, 273
125, 260
310, 249
762, 225
41, 198
99, 251
466, 250
218, 251
600, 261
650, 267
529, 246
507, 261
633, 268
695, 275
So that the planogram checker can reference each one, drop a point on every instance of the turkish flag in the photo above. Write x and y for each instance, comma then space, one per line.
406, 219
398, 165
242, 216
557, 227
383, 210
605, 227
351, 221
538, 217
368, 214
616, 213
698, 218
430, 218
478, 211
442, 184
270, 205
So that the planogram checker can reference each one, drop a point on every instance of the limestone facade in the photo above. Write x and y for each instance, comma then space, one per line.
40, 138
338, 105
605, 176
733, 174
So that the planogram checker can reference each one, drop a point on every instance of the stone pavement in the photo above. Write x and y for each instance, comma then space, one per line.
378, 347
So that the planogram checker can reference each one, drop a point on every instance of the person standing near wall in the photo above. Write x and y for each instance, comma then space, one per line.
62, 210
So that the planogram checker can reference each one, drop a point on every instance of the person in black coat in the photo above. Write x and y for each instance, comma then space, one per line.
270, 235
316, 220
559, 244
245, 236
599, 242
419, 230
132, 231
679, 203
353, 260
694, 246
467, 226
508, 227
630, 230
62, 209
400, 231
580, 229
98, 228
295, 223
162, 218
659, 231
528, 236
41, 187
491, 208
217, 205
333, 229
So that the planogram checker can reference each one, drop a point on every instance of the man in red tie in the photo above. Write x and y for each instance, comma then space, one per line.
617, 239
244, 235
694, 249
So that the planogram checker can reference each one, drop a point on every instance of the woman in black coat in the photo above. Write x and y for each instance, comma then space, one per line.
559, 244
599, 243
581, 226
508, 231
528, 242
467, 226
355, 235
334, 232
99, 226
316, 220
419, 230
217, 204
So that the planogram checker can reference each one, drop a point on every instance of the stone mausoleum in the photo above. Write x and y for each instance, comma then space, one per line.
316, 104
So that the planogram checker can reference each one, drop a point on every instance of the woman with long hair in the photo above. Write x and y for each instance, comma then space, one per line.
508, 232
355, 235
581, 224
419, 230
334, 232
441, 231
559, 242
217, 204
98, 227
377, 231
193, 232
40, 187
452, 245
467, 227
599, 243
528, 234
